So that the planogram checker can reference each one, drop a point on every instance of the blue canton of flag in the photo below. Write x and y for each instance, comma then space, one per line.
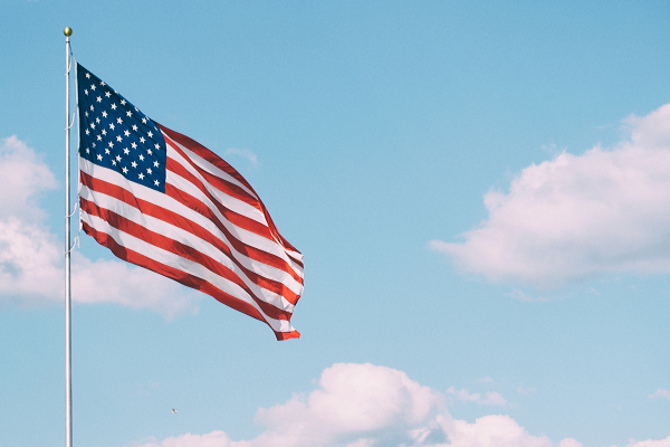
117, 135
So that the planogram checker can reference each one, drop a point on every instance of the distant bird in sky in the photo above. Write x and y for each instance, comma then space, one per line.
174, 411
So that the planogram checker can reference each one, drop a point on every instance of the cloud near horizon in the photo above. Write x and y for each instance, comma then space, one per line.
31, 256
579, 216
364, 405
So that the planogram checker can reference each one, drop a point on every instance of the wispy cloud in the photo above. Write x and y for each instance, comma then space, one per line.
578, 216
244, 153
525, 389
486, 381
491, 398
660, 394
520, 295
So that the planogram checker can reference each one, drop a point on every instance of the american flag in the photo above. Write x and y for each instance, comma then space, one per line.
160, 200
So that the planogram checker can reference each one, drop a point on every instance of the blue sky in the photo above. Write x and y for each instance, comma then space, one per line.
481, 191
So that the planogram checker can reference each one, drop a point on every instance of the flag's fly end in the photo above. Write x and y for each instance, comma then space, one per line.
287, 335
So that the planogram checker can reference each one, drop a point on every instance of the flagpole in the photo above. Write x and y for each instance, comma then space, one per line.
68, 298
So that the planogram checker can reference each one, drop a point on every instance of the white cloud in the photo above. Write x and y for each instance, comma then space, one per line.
104, 281
578, 216
352, 401
569, 442
652, 443
487, 431
363, 405
32, 259
24, 178
30, 263
660, 394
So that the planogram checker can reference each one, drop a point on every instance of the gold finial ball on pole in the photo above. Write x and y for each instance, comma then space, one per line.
67, 31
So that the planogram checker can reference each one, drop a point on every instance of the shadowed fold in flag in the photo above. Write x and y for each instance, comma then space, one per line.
160, 200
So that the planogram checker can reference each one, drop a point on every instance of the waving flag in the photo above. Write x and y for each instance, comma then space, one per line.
160, 200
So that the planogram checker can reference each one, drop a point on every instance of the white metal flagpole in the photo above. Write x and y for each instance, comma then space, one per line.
68, 299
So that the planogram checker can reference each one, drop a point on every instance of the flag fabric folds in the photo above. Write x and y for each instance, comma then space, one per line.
158, 199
